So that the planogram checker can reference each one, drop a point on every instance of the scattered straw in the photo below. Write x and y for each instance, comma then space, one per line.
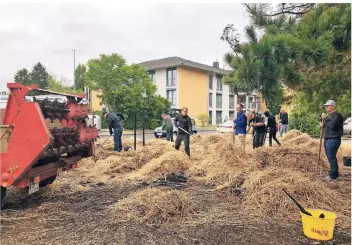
154, 206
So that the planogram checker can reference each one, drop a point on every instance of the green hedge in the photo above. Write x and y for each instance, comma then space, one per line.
308, 124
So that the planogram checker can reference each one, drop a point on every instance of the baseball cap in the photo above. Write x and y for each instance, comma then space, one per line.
330, 102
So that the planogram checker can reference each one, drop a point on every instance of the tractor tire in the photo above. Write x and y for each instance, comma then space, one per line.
2, 194
47, 181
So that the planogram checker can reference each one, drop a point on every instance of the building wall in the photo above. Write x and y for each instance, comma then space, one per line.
160, 80
192, 91
95, 101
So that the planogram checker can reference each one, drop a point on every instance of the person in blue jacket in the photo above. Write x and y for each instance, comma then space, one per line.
241, 124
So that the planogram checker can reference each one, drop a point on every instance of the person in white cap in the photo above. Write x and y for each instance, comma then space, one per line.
332, 124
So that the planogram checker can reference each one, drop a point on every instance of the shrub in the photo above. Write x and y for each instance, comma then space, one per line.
204, 118
308, 123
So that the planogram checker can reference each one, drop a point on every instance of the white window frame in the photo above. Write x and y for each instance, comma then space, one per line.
173, 77
210, 100
219, 84
217, 106
210, 82
174, 97
231, 99
152, 76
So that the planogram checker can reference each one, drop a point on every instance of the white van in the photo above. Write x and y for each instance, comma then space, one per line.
96, 121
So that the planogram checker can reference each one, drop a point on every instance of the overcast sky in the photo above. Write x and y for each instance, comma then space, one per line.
48, 32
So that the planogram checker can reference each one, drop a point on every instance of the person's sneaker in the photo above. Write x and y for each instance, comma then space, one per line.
330, 179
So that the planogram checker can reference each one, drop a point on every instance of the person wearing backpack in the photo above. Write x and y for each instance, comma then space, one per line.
272, 126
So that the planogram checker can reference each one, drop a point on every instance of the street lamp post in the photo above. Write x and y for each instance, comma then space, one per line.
74, 70
135, 128
144, 95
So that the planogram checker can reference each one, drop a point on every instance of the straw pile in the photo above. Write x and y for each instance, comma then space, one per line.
263, 195
170, 162
154, 206
221, 166
295, 157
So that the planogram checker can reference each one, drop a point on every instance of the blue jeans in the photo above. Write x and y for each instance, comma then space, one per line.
283, 129
331, 147
169, 135
118, 140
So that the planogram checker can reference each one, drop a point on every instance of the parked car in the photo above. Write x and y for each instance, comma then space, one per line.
159, 133
347, 127
96, 121
225, 127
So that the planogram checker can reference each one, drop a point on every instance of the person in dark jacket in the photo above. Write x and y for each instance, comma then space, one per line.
332, 132
283, 122
115, 128
271, 125
240, 124
184, 124
259, 128
168, 126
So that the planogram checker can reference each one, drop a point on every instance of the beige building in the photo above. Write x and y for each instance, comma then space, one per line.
195, 85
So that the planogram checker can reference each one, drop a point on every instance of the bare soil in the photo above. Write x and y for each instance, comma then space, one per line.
76, 219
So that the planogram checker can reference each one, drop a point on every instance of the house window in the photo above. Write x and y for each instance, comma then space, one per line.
241, 100
218, 100
210, 82
231, 114
210, 116
171, 96
218, 83
210, 100
231, 89
171, 77
152, 76
218, 117
231, 102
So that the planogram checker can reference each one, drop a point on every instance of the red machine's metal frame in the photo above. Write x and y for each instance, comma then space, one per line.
29, 138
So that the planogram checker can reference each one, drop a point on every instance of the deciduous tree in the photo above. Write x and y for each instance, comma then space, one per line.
126, 89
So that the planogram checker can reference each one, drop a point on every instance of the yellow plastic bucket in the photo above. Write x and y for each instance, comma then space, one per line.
318, 228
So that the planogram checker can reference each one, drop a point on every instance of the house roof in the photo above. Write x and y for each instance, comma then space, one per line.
177, 61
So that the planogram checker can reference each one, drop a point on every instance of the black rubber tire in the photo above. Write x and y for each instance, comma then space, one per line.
47, 181
2, 194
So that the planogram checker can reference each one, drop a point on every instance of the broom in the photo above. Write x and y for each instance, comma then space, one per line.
320, 144
233, 135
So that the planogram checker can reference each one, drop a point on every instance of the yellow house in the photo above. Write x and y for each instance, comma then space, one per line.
198, 87
95, 100
194, 85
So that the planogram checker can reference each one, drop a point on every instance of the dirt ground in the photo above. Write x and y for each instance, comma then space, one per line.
85, 215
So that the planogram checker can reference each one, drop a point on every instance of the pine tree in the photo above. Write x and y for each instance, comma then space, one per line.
22, 76
40, 76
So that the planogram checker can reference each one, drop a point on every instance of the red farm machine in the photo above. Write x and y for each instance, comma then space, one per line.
39, 138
